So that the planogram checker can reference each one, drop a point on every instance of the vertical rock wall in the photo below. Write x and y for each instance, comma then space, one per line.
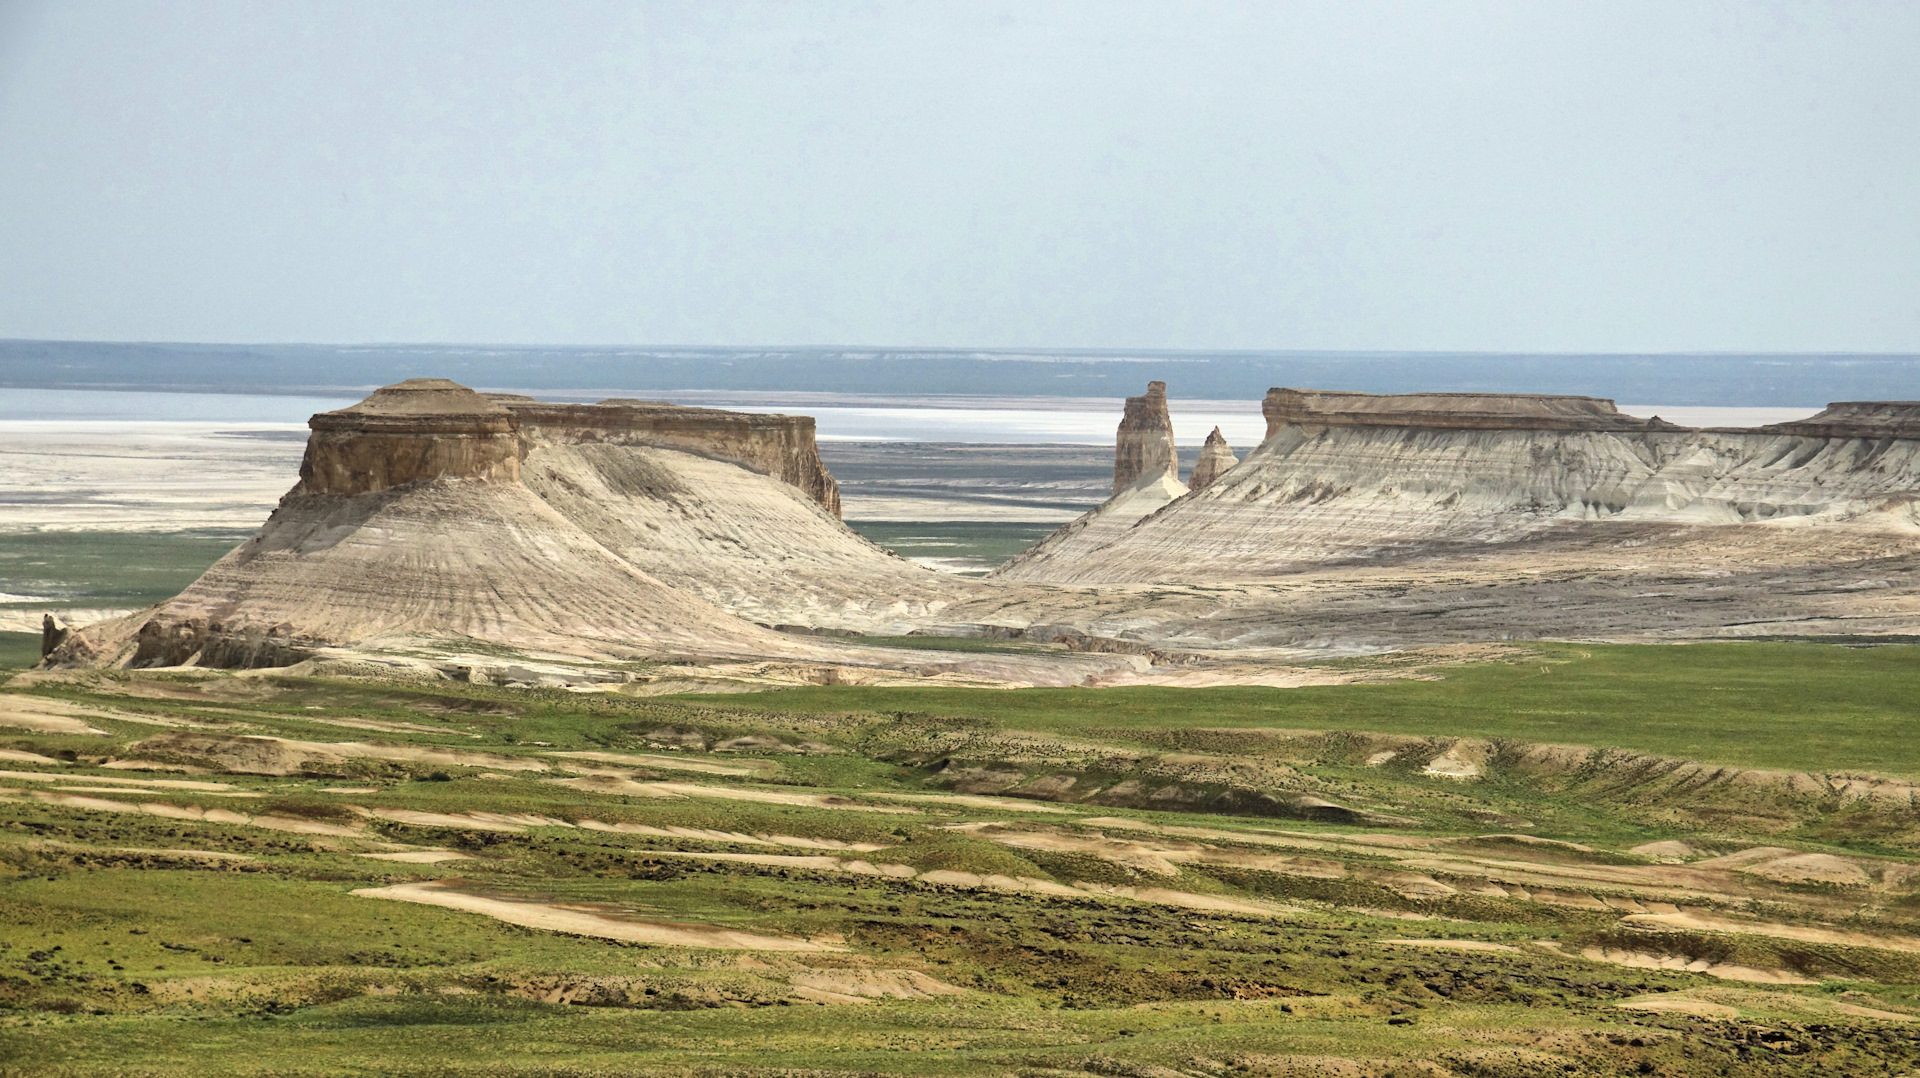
1143, 446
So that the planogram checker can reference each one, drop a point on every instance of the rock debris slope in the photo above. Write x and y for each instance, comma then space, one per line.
428, 511
1351, 476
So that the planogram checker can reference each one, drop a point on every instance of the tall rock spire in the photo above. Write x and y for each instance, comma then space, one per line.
1215, 457
1143, 447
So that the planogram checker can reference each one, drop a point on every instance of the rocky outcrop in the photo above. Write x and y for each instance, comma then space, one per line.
1448, 411
431, 428
619, 530
1216, 456
1345, 476
1143, 449
780, 446
420, 429
1858, 419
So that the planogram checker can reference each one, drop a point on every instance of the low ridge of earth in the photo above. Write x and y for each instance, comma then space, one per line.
1519, 861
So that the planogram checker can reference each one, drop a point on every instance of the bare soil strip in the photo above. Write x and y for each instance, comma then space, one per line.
1690, 920
671, 763
167, 784
187, 812
578, 921
1453, 945
686, 789
703, 834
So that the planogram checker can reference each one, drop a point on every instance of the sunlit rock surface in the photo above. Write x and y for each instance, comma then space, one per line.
1345, 476
1143, 448
1216, 456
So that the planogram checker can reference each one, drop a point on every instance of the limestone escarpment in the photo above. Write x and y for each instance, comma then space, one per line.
1143, 448
420, 429
1858, 419
1357, 476
780, 446
1216, 456
745, 542
1446, 411
430, 512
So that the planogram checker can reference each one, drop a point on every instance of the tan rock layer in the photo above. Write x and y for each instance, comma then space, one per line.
1216, 456
431, 428
1143, 447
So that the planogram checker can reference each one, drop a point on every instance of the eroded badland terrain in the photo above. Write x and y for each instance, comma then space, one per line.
1434, 735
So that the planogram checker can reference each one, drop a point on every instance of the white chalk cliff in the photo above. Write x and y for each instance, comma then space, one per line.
1344, 476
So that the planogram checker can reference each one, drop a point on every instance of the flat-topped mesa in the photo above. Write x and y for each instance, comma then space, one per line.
431, 428
422, 428
1143, 446
1449, 411
1216, 456
781, 446
1857, 419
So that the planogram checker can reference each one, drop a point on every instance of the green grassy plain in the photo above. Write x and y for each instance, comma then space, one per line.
153, 930
1789, 705
109, 569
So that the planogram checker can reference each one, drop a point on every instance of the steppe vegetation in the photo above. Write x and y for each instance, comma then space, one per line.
263, 874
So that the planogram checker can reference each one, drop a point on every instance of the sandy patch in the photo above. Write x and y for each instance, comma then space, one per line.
816, 862
1159, 862
154, 765
1690, 920
583, 921
187, 812
420, 857
152, 851
671, 763
1678, 1005
1681, 963
43, 716
1668, 852
1462, 761
866, 985
1746, 857
166, 784
980, 802
18, 757
1186, 899
482, 821
1811, 868
731, 793
703, 834
974, 881
349, 789
1453, 945
283, 756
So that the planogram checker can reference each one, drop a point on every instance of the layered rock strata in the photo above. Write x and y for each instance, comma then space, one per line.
1143, 449
1447, 411
419, 430
429, 511
1216, 456
1349, 476
782, 447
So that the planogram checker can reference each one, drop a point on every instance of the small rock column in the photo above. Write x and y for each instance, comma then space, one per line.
1215, 458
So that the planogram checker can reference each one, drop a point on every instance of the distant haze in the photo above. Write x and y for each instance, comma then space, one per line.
1531, 176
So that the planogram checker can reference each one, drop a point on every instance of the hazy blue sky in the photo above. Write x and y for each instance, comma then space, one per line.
1534, 175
